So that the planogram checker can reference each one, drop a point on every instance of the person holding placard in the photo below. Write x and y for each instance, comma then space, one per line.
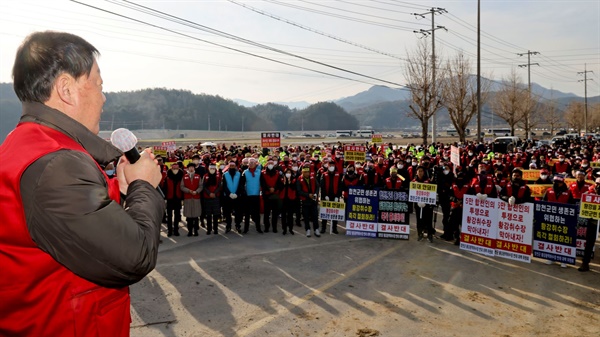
590, 235
424, 212
516, 191
559, 193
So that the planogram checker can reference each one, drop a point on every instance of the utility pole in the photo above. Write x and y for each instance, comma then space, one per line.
528, 65
208, 122
585, 79
425, 32
219, 125
243, 123
479, 137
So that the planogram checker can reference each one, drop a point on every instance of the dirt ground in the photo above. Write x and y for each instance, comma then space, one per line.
335, 285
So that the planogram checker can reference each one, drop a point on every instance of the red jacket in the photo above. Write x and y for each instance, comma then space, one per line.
191, 185
39, 296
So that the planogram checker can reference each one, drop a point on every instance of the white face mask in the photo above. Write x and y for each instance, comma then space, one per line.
533, 160
288, 175
175, 171
211, 170
400, 166
470, 153
357, 165
584, 165
446, 171
222, 167
294, 168
325, 165
270, 167
331, 168
562, 159
414, 163
544, 177
191, 171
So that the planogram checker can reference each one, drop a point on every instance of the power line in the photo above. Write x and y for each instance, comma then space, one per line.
314, 30
245, 52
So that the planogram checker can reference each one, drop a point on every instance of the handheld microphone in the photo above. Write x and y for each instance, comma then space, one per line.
125, 140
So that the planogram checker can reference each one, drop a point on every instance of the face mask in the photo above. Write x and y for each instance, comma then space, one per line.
288, 175
270, 167
294, 158
331, 168
294, 168
196, 162
350, 172
338, 156
584, 166
562, 159
446, 158
221, 167
212, 170
414, 163
446, 172
400, 166
110, 172
533, 160
544, 177
325, 165
191, 171
470, 153
357, 165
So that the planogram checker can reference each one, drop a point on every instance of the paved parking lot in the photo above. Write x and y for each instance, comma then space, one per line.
275, 285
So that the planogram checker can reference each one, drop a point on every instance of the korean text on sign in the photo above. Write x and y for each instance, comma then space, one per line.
554, 231
270, 139
355, 153
515, 230
361, 208
421, 192
479, 225
330, 210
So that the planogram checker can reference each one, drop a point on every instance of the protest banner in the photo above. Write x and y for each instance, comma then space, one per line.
270, 139
455, 157
479, 226
332, 210
531, 175
589, 207
171, 146
421, 192
355, 153
377, 138
515, 229
393, 215
160, 150
538, 191
554, 231
361, 212
595, 164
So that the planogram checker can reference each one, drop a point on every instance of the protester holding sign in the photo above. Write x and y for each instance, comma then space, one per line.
423, 211
459, 189
516, 191
331, 190
591, 233
308, 191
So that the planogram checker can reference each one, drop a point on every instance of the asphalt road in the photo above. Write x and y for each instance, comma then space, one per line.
275, 285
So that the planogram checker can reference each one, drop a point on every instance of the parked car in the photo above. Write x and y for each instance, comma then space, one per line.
561, 133
506, 144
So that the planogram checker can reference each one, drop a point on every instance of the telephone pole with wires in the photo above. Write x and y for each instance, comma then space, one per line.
426, 32
585, 79
528, 65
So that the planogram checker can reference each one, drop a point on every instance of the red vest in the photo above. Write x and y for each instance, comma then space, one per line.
561, 167
212, 188
336, 181
349, 183
459, 194
576, 191
563, 198
488, 187
173, 190
191, 185
271, 181
520, 193
39, 296
289, 191
396, 186
305, 187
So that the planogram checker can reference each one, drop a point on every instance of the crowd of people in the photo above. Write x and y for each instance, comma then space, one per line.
236, 183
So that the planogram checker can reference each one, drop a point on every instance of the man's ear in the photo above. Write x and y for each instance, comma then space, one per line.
64, 86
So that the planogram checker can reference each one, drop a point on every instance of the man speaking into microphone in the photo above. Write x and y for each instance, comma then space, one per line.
71, 239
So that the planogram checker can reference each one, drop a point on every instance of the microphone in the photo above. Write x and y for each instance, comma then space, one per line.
125, 140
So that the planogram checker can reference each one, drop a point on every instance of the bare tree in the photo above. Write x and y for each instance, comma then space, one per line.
594, 117
508, 102
425, 90
529, 109
574, 115
459, 93
551, 115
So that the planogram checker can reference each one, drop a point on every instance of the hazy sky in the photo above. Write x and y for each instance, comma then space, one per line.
136, 56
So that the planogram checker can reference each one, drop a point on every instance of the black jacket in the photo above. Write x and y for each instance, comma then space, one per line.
71, 217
